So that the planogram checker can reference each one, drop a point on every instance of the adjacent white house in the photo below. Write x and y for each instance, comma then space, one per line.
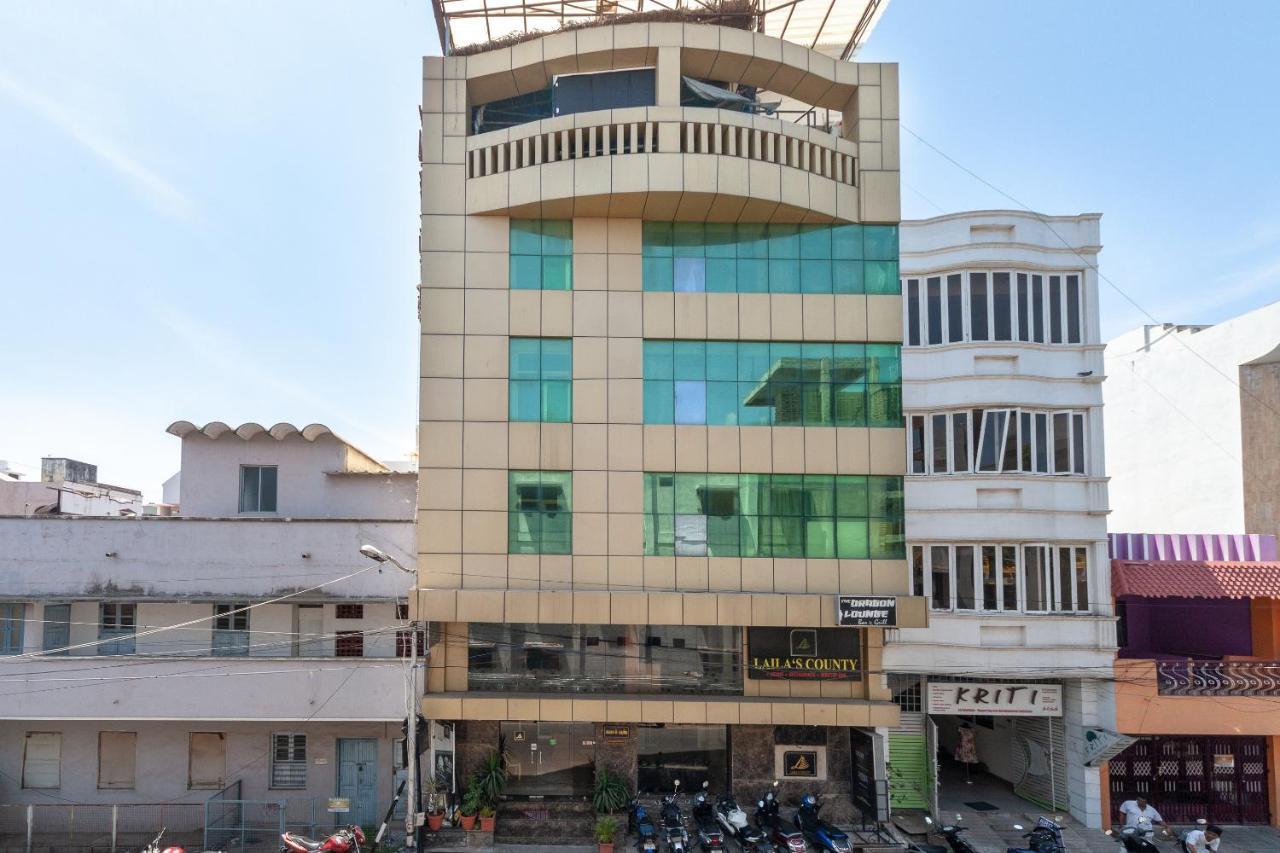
1006, 507
244, 646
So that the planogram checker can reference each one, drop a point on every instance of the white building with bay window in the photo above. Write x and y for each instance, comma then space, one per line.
1006, 507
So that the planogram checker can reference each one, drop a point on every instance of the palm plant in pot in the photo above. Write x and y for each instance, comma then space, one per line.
606, 831
491, 779
472, 802
435, 804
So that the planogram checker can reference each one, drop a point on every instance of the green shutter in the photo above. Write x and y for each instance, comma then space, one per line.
908, 772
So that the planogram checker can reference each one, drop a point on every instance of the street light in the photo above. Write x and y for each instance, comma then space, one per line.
411, 722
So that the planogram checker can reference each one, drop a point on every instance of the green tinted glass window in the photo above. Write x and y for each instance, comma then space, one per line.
778, 257
541, 254
773, 515
540, 379
539, 512
780, 383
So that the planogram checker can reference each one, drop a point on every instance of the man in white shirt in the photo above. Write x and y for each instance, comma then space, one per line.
1202, 840
1132, 813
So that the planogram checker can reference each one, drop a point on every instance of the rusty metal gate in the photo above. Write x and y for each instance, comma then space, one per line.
1222, 779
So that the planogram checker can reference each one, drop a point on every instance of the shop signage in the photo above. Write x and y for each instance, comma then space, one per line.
1224, 762
998, 700
519, 737
339, 804
868, 610
1101, 745
616, 734
804, 654
802, 763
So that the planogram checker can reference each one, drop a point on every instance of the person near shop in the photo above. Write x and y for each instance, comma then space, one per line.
1202, 840
1133, 812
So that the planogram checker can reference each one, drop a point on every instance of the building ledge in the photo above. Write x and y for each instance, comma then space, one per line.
568, 607
733, 710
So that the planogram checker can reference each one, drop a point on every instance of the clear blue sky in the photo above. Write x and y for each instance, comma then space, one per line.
208, 210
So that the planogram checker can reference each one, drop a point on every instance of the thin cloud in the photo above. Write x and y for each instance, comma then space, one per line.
1227, 291
163, 195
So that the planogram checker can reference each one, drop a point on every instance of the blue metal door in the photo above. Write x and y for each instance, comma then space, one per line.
358, 779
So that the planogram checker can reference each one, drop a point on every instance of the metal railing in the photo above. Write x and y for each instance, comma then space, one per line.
1218, 678
93, 828
256, 825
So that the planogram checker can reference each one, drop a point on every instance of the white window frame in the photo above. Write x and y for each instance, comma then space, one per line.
1077, 420
1052, 579
1015, 325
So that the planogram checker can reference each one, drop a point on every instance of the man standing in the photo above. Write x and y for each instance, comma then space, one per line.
1202, 840
1140, 813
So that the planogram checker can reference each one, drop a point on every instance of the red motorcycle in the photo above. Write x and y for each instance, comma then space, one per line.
154, 846
349, 839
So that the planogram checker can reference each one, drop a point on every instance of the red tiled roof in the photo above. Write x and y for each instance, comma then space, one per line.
1154, 579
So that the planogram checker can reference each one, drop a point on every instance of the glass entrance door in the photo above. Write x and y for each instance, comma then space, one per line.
549, 759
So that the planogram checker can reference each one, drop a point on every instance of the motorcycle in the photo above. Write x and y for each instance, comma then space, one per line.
349, 839
729, 815
639, 822
154, 846
818, 832
782, 836
950, 833
1046, 837
1135, 839
709, 835
673, 831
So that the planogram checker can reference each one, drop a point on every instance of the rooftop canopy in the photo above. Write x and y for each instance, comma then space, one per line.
833, 27
1150, 579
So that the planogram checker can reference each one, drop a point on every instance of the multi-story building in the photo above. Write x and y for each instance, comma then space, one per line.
1006, 501
660, 424
1198, 676
65, 487
242, 650
1199, 403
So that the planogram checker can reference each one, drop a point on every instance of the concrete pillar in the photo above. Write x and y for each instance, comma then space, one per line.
668, 94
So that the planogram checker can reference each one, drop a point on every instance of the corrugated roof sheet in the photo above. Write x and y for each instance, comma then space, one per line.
1150, 579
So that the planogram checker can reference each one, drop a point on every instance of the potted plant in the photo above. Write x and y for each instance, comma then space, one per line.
471, 802
486, 818
435, 805
492, 778
606, 830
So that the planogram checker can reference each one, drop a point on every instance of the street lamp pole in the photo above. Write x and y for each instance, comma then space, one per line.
411, 721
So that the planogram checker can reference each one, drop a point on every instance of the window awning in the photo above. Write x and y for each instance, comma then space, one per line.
1154, 579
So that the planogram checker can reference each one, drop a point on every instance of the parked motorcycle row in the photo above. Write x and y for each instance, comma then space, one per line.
1044, 837
717, 822
348, 839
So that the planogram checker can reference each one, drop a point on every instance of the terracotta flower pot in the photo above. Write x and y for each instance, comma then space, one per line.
606, 848
468, 821
486, 824
435, 821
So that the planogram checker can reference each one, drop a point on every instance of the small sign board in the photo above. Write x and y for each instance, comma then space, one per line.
866, 611
997, 700
339, 804
616, 734
519, 737
800, 763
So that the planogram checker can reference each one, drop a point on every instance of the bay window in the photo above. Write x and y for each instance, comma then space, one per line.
997, 577
997, 305
993, 441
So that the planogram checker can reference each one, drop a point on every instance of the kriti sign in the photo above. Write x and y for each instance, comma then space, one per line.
809, 654
997, 700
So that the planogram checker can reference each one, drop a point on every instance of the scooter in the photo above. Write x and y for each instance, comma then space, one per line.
349, 839
709, 835
673, 831
950, 833
1046, 837
782, 836
1134, 839
818, 832
751, 839
639, 822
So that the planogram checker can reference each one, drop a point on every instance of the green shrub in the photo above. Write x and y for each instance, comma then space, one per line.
610, 792
606, 829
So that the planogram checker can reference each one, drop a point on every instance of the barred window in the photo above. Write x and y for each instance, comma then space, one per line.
289, 760
349, 644
348, 611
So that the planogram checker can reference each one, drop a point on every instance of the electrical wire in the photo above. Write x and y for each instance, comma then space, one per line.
1091, 265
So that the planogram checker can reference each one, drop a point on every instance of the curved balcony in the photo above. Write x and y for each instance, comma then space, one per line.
593, 161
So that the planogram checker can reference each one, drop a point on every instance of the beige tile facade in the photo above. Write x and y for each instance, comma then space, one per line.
670, 163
